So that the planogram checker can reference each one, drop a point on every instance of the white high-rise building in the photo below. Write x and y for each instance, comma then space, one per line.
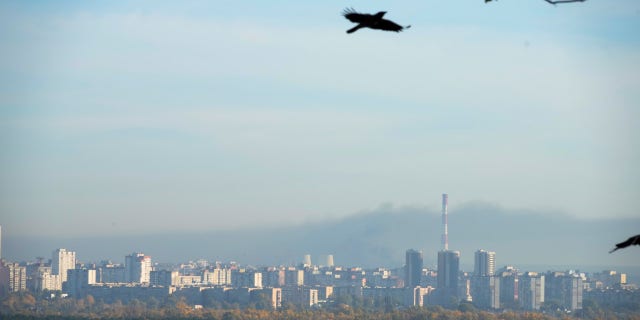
330, 261
61, 261
137, 268
485, 263
307, 260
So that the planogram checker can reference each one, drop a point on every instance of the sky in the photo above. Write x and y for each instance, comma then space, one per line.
143, 116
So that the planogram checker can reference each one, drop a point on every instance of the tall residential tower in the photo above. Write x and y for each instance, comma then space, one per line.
485, 287
485, 263
448, 273
61, 261
413, 268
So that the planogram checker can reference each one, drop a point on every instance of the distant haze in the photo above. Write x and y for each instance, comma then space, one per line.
374, 238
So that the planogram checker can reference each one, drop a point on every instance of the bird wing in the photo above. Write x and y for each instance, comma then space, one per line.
625, 243
387, 25
356, 17
633, 240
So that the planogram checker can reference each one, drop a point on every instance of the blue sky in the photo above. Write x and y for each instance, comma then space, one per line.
133, 117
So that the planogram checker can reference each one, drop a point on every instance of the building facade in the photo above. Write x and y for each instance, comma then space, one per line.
448, 275
137, 268
485, 291
273, 277
164, 278
243, 278
485, 263
110, 274
294, 277
300, 296
531, 290
78, 282
61, 261
217, 277
13, 278
564, 289
48, 281
413, 268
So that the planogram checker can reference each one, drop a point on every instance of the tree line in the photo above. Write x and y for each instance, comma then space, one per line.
27, 306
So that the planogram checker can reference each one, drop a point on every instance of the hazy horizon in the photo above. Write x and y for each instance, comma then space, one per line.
376, 237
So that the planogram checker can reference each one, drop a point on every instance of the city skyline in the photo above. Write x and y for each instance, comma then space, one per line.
212, 283
250, 159
309, 285
118, 116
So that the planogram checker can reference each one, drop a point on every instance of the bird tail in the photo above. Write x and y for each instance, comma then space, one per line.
352, 30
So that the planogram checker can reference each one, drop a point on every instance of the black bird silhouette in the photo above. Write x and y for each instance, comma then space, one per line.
373, 21
553, 2
631, 241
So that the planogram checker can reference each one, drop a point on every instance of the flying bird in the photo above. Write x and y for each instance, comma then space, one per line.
373, 21
631, 241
